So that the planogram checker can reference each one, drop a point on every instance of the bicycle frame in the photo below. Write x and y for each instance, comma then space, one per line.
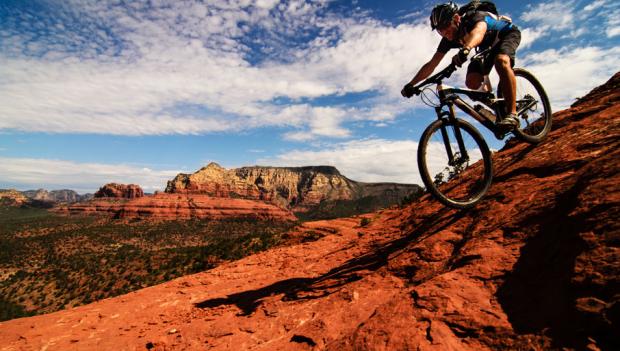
450, 97
488, 109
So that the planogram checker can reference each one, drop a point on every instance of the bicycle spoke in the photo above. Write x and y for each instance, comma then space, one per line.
463, 178
531, 111
533, 107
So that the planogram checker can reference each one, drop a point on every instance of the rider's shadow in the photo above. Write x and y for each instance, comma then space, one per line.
353, 270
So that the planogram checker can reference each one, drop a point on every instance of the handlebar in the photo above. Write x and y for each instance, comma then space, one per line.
445, 73
438, 77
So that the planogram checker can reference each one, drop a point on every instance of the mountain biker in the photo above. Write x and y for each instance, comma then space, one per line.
481, 30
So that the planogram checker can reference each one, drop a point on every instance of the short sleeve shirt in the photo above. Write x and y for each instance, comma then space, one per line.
468, 22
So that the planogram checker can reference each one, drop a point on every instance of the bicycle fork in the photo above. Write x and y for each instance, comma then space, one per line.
457, 134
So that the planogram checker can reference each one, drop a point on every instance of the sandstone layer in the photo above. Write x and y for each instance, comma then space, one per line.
179, 206
120, 191
12, 197
298, 188
535, 266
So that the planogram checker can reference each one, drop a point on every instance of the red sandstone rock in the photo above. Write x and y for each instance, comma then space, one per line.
121, 191
179, 206
535, 266
12, 197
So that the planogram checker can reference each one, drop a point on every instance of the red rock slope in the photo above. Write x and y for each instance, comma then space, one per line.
536, 266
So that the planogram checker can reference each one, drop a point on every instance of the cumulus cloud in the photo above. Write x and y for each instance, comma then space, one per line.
588, 67
557, 15
362, 160
129, 67
28, 173
571, 18
595, 5
530, 35
133, 69
373, 160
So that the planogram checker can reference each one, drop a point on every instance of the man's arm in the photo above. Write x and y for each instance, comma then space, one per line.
475, 36
427, 68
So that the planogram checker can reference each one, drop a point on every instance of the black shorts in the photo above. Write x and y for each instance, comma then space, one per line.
507, 45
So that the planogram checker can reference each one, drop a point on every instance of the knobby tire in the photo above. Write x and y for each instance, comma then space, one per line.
521, 133
486, 160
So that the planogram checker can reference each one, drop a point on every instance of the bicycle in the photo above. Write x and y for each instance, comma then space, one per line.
449, 146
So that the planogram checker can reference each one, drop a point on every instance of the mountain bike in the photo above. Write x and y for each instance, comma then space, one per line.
453, 158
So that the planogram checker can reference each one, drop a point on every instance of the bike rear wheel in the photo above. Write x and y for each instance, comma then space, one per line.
533, 108
458, 174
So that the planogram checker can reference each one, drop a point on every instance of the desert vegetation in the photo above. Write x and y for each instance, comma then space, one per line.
50, 262
346, 208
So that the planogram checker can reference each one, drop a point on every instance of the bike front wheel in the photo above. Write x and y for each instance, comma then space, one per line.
533, 108
455, 163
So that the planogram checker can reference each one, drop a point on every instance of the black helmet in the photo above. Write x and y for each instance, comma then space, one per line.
442, 14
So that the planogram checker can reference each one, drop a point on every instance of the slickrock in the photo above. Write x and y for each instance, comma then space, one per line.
535, 266
179, 206
121, 191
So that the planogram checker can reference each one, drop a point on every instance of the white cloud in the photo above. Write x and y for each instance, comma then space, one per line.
613, 31
556, 15
595, 5
375, 160
530, 35
571, 20
188, 68
132, 79
28, 173
588, 67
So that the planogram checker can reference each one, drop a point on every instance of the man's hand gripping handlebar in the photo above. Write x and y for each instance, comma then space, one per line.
409, 89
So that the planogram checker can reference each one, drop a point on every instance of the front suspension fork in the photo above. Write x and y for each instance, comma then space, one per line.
457, 134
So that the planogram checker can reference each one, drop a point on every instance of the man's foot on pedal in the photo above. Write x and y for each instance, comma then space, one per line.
508, 123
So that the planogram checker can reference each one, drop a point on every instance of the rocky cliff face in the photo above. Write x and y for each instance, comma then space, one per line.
179, 206
64, 195
298, 188
120, 191
536, 266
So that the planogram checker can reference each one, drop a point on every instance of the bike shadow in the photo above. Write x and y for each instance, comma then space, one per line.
300, 288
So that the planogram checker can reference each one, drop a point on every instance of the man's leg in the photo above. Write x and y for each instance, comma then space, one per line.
507, 82
474, 80
475, 76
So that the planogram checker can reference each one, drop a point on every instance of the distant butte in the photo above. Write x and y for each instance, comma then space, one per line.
295, 188
120, 191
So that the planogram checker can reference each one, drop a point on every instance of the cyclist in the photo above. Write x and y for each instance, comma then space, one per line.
469, 30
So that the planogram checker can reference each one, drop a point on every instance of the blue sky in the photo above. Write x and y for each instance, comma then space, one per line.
135, 92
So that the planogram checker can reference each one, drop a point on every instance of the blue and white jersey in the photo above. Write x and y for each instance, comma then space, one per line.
497, 26
493, 21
